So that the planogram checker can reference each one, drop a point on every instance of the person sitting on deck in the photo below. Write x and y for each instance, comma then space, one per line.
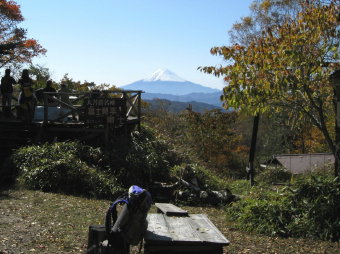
50, 89
64, 97
7, 83
63, 93
27, 98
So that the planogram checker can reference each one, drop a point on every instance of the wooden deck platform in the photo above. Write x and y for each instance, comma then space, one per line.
192, 234
99, 118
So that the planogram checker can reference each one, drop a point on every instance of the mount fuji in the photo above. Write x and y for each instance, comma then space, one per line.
164, 81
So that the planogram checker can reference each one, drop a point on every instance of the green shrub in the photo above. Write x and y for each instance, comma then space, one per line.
311, 209
263, 216
205, 178
239, 187
274, 175
74, 168
64, 167
316, 203
149, 159
34, 155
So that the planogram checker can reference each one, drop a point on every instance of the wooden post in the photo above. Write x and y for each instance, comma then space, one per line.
45, 108
251, 171
139, 109
335, 79
107, 137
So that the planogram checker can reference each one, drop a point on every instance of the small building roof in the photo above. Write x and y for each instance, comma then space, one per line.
301, 163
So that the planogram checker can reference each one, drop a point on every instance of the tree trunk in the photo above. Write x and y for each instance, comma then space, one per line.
337, 132
251, 170
335, 80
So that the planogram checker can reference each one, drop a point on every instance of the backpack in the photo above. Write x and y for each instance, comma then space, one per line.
27, 90
130, 225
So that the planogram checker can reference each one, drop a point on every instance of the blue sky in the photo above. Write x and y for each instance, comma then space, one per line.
121, 41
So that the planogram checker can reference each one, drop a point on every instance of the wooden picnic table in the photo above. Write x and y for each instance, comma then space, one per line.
172, 230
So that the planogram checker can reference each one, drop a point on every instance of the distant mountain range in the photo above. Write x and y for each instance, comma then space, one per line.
164, 84
177, 107
207, 98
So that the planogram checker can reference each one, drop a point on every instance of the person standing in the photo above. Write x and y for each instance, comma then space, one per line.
49, 88
26, 98
7, 83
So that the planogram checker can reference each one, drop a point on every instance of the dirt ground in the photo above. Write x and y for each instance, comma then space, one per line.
37, 222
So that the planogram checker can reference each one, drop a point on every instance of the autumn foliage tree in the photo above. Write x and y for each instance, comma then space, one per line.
212, 137
263, 14
15, 47
215, 138
287, 67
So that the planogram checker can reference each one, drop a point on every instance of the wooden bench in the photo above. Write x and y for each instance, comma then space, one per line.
170, 209
192, 234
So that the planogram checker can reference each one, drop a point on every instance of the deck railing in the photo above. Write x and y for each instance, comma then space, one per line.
96, 105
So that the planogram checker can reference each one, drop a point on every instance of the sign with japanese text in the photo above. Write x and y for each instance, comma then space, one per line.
105, 110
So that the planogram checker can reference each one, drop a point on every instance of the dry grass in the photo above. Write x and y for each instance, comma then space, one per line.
37, 222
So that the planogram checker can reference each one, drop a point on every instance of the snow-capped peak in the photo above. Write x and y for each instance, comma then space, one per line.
164, 75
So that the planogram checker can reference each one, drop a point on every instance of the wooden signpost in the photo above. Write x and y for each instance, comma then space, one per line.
105, 110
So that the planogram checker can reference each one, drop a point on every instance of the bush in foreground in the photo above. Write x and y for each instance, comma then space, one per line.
274, 175
205, 178
64, 167
149, 159
75, 168
311, 209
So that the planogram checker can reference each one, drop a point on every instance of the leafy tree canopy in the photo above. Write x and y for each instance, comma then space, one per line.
41, 73
287, 66
86, 86
15, 47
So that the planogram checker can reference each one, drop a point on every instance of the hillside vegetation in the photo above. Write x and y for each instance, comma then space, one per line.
261, 219
79, 169
309, 208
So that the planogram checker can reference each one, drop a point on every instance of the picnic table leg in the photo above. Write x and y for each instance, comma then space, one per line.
97, 243
125, 249
117, 244
97, 234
